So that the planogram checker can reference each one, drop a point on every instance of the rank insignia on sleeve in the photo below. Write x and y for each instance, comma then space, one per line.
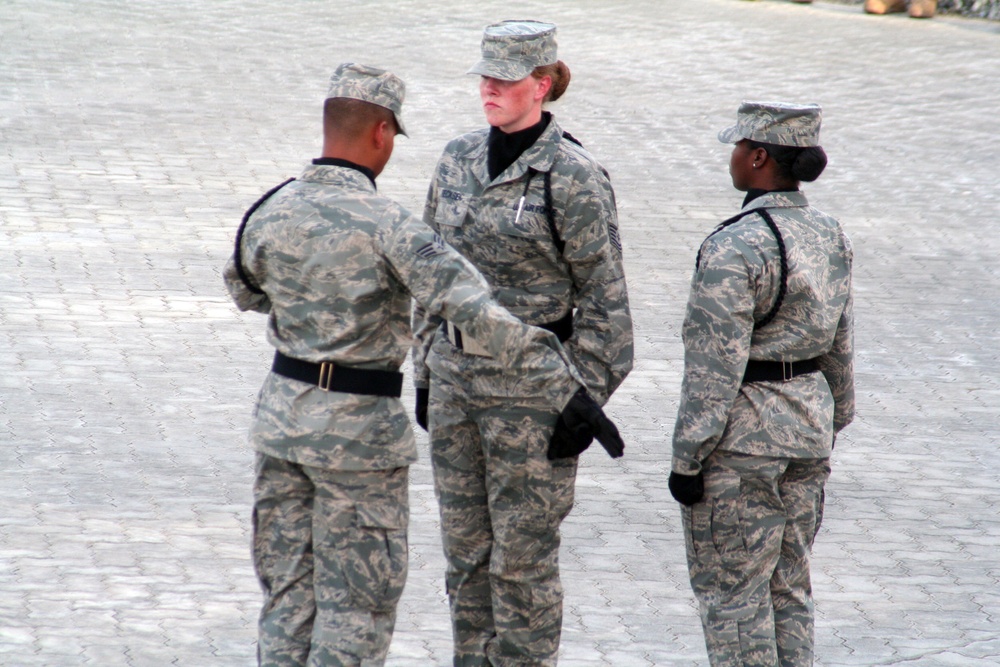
615, 239
432, 249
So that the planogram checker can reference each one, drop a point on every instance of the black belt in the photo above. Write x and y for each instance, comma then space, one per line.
333, 377
562, 328
777, 371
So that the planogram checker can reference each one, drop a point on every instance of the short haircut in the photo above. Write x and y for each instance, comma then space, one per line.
346, 117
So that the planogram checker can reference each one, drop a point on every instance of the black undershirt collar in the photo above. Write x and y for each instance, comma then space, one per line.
504, 149
338, 162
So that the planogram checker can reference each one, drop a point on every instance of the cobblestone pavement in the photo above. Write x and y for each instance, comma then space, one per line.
134, 134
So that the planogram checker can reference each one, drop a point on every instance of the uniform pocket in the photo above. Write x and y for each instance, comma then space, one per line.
727, 529
258, 553
531, 224
451, 208
375, 566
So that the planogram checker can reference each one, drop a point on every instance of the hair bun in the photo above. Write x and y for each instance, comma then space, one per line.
809, 164
559, 72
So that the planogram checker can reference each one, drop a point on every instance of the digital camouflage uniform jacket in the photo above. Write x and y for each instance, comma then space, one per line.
736, 283
338, 263
518, 256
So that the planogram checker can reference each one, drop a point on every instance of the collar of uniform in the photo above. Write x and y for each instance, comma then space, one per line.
777, 199
331, 169
539, 156
502, 149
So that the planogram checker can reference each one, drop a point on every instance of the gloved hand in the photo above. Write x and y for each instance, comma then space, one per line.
687, 489
581, 421
423, 397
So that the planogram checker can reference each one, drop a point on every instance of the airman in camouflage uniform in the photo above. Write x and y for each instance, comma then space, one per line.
768, 381
542, 227
334, 264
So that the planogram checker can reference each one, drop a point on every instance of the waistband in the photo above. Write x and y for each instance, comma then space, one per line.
777, 371
329, 376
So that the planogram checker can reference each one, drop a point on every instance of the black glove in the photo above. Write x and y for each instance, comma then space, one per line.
687, 489
581, 421
423, 396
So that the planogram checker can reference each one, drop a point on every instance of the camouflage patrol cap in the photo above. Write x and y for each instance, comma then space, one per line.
775, 123
369, 84
513, 49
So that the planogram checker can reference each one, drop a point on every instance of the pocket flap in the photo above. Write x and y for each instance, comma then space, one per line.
533, 223
386, 515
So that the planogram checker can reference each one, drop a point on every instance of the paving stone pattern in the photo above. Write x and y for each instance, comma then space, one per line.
132, 137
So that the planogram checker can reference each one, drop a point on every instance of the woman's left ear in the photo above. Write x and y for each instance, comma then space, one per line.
759, 158
544, 86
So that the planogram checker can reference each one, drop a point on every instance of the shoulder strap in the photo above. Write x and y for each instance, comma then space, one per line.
550, 213
567, 135
783, 287
237, 254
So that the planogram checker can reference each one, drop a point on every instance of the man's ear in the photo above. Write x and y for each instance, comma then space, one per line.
379, 136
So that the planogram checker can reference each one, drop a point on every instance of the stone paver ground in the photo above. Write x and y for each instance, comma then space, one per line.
134, 134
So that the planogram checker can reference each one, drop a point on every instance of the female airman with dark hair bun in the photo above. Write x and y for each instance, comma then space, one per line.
768, 382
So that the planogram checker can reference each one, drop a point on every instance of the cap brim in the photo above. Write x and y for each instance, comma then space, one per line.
399, 124
501, 69
730, 135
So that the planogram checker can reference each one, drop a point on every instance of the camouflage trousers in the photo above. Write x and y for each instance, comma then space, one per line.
501, 503
330, 553
748, 545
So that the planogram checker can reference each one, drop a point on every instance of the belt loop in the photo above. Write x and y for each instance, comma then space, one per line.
455, 336
325, 375
787, 370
